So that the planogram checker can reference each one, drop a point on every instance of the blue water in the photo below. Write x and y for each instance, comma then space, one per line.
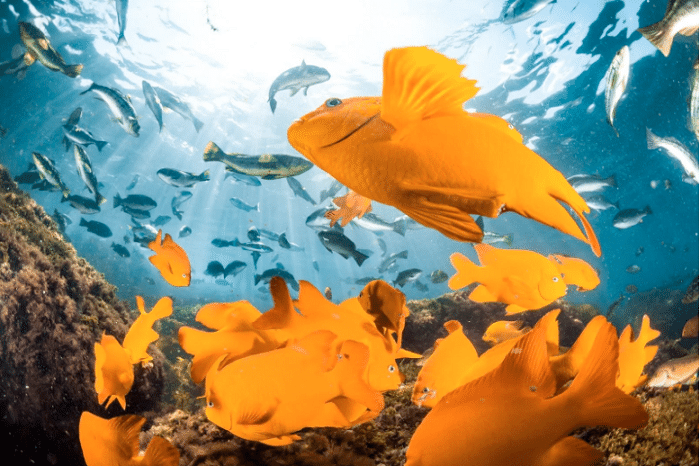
544, 74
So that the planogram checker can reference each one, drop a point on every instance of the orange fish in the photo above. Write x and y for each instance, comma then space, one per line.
387, 306
115, 442
170, 260
523, 280
576, 272
351, 205
442, 372
114, 374
416, 149
141, 333
567, 365
504, 330
634, 355
234, 336
267, 397
510, 415
690, 329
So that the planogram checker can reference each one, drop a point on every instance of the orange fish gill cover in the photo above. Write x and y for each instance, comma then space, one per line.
483, 423
114, 373
110, 442
416, 149
576, 272
141, 333
635, 354
524, 280
351, 205
170, 260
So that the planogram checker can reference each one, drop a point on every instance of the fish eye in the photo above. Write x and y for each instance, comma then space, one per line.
426, 390
392, 369
555, 279
210, 404
333, 102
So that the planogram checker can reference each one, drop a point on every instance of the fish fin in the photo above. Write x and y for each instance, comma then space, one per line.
294, 90
659, 36
446, 219
17, 51
593, 391
121, 399
43, 43
281, 440
72, 71
500, 124
193, 342
689, 31
572, 452
567, 365
161, 452
481, 294
306, 89
420, 83
273, 104
551, 331
100, 145
121, 42
162, 309
127, 428
66, 143
157, 243
352, 364
404, 353
256, 413
283, 314
515, 309
29, 59
212, 152
467, 271
312, 303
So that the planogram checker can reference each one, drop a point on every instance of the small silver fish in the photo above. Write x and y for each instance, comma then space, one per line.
600, 203
676, 151
174, 103
153, 102
299, 190
184, 231
630, 217
83, 204
616, 82
681, 17
592, 183
181, 179
243, 206
520, 10
377, 225
634, 268
122, 6
694, 103
405, 276
48, 172
120, 105
295, 79
39, 48
82, 161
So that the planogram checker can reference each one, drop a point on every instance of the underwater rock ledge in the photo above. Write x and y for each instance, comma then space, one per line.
53, 308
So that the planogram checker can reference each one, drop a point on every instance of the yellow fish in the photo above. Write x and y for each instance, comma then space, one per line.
416, 149
510, 415
170, 260
115, 442
351, 205
267, 397
675, 371
114, 374
576, 272
141, 333
634, 355
524, 280
504, 330
234, 337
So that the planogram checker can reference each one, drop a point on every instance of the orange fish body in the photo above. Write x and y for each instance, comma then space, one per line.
523, 280
416, 149
115, 442
266, 397
234, 337
489, 421
576, 272
141, 333
114, 374
634, 355
352, 205
504, 330
170, 260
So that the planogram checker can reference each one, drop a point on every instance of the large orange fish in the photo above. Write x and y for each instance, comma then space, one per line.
576, 272
510, 415
141, 333
114, 374
351, 205
170, 260
234, 337
523, 280
115, 442
415, 148
635, 354
267, 397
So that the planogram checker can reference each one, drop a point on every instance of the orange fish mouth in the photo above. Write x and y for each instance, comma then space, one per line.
353, 131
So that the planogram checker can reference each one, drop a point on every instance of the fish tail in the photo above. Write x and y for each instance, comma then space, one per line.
73, 71
273, 104
354, 358
194, 342
508, 239
161, 452
162, 309
197, 124
212, 152
659, 35
100, 145
82, 222
467, 271
594, 394
122, 41
568, 365
117, 201
647, 210
399, 226
100, 199
652, 140
92, 86
556, 216
359, 257
204, 176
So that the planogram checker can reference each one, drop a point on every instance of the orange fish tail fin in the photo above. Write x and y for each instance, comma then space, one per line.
549, 323
162, 309
160, 452
599, 402
283, 314
467, 272
421, 83
567, 365
354, 360
572, 452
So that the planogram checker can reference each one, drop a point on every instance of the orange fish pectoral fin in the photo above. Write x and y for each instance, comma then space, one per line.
481, 294
420, 83
572, 452
280, 441
257, 412
161, 452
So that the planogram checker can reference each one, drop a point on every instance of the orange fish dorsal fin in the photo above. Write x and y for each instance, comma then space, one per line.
160, 452
500, 124
420, 83
283, 314
486, 253
312, 303
156, 244
567, 365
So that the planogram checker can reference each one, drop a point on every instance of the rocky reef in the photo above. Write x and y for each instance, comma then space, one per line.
53, 307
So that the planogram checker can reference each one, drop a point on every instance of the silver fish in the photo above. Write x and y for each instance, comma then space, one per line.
600, 203
267, 275
677, 151
681, 17
82, 161
135, 202
390, 260
174, 103
592, 183
377, 225
48, 172
177, 201
331, 191
694, 123
153, 102
76, 135
634, 268
616, 82
284, 242
84, 205
520, 10
630, 217
39, 48
120, 105
234, 268
245, 179
95, 227
243, 206
184, 231
271, 235
134, 180
438, 276
181, 179
254, 246
491, 237
675, 371
295, 79
266, 166
299, 190
122, 6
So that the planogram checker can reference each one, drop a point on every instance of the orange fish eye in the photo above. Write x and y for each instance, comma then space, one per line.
555, 279
392, 368
210, 404
333, 102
